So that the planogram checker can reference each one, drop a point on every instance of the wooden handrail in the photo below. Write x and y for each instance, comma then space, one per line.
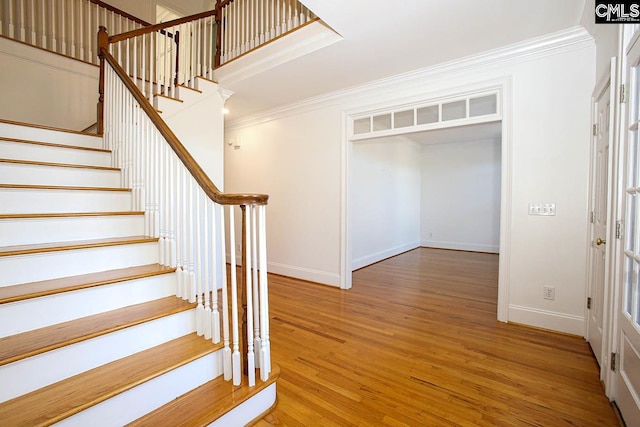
119, 12
157, 27
189, 162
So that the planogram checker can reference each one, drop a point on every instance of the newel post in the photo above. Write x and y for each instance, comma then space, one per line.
103, 43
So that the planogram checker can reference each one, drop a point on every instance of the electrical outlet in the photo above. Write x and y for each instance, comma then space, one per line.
549, 293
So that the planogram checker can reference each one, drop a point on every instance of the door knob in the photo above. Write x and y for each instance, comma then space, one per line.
599, 241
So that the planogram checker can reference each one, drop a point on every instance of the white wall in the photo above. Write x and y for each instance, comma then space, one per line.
146, 9
44, 88
605, 36
460, 202
384, 199
296, 160
200, 128
295, 155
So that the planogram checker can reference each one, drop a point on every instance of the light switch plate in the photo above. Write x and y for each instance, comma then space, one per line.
544, 209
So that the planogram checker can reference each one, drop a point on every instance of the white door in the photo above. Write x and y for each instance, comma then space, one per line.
627, 376
599, 202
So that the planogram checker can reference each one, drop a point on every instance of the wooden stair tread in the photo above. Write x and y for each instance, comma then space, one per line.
160, 95
58, 401
66, 284
203, 405
34, 125
27, 344
189, 88
58, 165
67, 214
60, 187
51, 144
71, 245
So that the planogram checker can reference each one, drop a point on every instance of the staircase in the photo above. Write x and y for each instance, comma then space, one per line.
91, 332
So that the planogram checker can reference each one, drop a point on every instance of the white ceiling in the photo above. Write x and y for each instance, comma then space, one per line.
383, 38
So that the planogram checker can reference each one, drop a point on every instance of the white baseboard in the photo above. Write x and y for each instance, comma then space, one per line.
323, 277
461, 246
317, 276
379, 256
545, 319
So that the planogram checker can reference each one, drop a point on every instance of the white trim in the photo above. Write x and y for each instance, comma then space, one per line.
460, 246
504, 261
323, 277
545, 319
379, 256
345, 243
550, 44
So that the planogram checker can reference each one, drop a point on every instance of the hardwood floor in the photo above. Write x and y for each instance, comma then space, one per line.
416, 343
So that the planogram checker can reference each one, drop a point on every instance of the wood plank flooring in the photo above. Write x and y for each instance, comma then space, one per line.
416, 343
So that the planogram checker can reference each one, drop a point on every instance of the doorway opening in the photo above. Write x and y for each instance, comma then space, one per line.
442, 183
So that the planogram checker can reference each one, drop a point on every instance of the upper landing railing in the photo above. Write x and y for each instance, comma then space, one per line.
161, 56
209, 39
67, 27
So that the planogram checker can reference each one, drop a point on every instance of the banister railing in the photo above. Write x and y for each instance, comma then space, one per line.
67, 27
157, 65
186, 212
203, 41
248, 24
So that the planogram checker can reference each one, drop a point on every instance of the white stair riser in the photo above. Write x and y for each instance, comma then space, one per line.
14, 173
42, 230
187, 96
167, 106
25, 201
207, 87
22, 316
44, 153
132, 404
65, 362
29, 133
247, 411
52, 265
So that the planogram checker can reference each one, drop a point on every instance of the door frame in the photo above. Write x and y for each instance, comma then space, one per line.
607, 81
503, 85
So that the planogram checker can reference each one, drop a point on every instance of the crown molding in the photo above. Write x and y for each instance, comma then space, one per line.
551, 44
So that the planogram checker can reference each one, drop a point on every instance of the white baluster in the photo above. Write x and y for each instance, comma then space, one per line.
191, 245
172, 212
216, 266
251, 366
206, 264
265, 345
256, 291
185, 235
222, 261
235, 356
198, 257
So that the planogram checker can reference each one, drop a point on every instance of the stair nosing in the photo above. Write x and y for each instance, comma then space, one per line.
190, 88
60, 187
52, 144
73, 245
159, 95
89, 283
68, 215
211, 413
58, 165
117, 389
114, 327
52, 128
